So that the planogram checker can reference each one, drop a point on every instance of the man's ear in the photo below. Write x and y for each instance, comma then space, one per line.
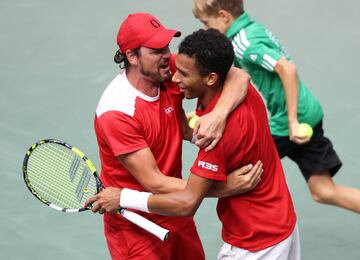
132, 57
226, 17
212, 79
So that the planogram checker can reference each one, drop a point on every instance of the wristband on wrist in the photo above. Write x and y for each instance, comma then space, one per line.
134, 199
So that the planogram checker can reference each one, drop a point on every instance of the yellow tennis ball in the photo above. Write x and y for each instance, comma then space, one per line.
305, 130
193, 120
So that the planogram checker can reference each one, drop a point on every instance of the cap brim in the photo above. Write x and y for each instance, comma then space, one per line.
161, 39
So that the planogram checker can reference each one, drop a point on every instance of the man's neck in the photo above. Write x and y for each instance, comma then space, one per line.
209, 95
142, 84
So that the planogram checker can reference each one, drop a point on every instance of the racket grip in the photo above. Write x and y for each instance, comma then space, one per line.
146, 224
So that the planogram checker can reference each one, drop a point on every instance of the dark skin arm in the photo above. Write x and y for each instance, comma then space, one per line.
143, 167
152, 179
181, 203
178, 203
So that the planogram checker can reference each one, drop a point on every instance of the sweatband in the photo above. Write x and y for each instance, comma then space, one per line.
134, 199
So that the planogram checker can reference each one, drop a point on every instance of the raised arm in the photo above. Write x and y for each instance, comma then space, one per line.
288, 74
210, 127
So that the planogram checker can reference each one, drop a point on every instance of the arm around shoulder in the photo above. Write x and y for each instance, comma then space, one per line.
234, 91
210, 127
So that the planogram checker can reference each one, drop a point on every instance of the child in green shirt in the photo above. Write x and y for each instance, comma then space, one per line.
288, 100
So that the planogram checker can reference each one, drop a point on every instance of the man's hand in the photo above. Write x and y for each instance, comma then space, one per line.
294, 136
208, 130
245, 179
107, 201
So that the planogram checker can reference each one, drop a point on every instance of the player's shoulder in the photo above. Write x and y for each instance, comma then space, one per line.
253, 100
255, 34
117, 86
249, 37
118, 96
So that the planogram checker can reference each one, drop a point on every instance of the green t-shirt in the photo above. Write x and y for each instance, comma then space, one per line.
257, 51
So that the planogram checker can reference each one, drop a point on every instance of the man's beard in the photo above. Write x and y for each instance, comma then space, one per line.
155, 76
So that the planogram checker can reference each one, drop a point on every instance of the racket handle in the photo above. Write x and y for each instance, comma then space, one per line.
146, 224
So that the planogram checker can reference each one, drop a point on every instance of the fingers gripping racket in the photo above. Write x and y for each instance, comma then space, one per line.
62, 177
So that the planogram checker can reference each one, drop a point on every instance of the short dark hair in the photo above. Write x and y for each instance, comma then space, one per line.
213, 51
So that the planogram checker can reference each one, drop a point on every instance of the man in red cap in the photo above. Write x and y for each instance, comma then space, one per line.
142, 29
138, 124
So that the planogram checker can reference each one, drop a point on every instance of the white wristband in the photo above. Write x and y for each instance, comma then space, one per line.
134, 199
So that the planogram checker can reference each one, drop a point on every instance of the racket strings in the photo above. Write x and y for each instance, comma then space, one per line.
69, 196
47, 181
59, 176
39, 177
49, 188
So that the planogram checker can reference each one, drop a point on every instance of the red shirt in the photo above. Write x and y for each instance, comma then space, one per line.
265, 215
126, 121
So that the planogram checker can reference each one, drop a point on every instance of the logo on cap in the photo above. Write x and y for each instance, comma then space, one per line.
155, 23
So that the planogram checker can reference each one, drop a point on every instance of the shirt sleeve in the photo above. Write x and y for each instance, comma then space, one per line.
211, 164
260, 51
263, 55
122, 133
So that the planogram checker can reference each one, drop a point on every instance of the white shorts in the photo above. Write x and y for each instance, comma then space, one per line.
288, 249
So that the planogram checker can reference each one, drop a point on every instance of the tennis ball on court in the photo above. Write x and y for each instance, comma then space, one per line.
305, 130
193, 120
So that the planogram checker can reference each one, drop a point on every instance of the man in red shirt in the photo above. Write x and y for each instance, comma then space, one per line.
138, 125
259, 224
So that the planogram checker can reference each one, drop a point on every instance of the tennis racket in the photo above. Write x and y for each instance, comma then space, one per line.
62, 177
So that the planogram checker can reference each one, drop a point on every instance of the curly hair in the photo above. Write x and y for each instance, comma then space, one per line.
213, 52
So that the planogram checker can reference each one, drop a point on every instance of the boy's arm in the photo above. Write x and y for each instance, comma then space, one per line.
288, 74
210, 127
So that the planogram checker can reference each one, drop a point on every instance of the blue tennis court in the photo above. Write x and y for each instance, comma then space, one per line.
56, 60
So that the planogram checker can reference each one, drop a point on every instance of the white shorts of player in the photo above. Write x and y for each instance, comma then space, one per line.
288, 249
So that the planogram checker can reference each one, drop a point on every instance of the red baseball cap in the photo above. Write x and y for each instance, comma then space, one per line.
143, 29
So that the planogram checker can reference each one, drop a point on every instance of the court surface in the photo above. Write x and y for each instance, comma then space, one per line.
56, 57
